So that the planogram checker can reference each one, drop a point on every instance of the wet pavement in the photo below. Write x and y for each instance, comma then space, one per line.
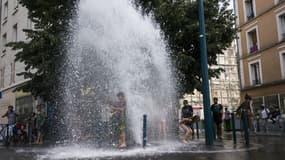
261, 148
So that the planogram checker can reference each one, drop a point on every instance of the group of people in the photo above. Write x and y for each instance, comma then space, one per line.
265, 113
221, 114
274, 115
30, 131
188, 119
33, 129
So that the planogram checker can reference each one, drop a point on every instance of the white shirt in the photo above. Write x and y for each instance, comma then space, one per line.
264, 113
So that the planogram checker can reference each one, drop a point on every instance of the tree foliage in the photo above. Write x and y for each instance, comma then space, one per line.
43, 51
178, 19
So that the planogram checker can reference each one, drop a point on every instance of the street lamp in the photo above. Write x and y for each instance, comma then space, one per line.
205, 77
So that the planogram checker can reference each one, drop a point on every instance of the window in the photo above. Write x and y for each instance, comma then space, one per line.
29, 24
249, 9
281, 26
12, 79
282, 64
252, 40
16, 4
255, 73
4, 42
2, 77
5, 11
221, 59
7, 76
24, 107
278, 1
15, 33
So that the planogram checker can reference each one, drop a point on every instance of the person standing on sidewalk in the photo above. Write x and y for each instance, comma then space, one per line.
227, 119
264, 116
11, 116
217, 111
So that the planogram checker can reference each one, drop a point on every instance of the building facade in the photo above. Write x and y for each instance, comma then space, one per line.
13, 19
262, 50
227, 87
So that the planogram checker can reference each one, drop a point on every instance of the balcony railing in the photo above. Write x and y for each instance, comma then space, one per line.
250, 16
256, 82
283, 36
253, 49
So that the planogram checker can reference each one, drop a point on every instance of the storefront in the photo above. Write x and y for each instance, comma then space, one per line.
25, 105
23, 102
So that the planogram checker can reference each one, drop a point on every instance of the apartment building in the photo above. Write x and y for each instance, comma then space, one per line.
262, 50
13, 19
226, 88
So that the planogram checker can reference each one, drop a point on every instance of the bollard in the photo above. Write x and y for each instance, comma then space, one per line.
257, 125
144, 130
197, 129
284, 126
245, 127
7, 136
234, 128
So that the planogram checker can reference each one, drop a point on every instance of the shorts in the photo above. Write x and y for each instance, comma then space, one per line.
11, 130
218, 120
42, 129
122, 124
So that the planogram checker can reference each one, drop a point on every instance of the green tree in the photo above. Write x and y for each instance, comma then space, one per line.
44, 49
179, 22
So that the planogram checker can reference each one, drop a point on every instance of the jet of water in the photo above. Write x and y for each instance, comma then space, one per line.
114, 48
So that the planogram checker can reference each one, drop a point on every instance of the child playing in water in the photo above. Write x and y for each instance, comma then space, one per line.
119, 110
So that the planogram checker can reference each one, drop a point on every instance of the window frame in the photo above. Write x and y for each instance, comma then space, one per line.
247, 39
12, 79
16, 4
15, 32
250, 72
4, 43
277, 1
5, 11
279, 29
2, 83
282, 63
245, 10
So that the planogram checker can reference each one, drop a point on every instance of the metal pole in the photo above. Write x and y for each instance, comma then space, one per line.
234, 128
214, 132
258, 125
197, 130
144, 130
245, 127
7, 140
205, 77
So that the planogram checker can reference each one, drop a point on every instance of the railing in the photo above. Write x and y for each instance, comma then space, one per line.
283, 36
253, 49
2, 132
